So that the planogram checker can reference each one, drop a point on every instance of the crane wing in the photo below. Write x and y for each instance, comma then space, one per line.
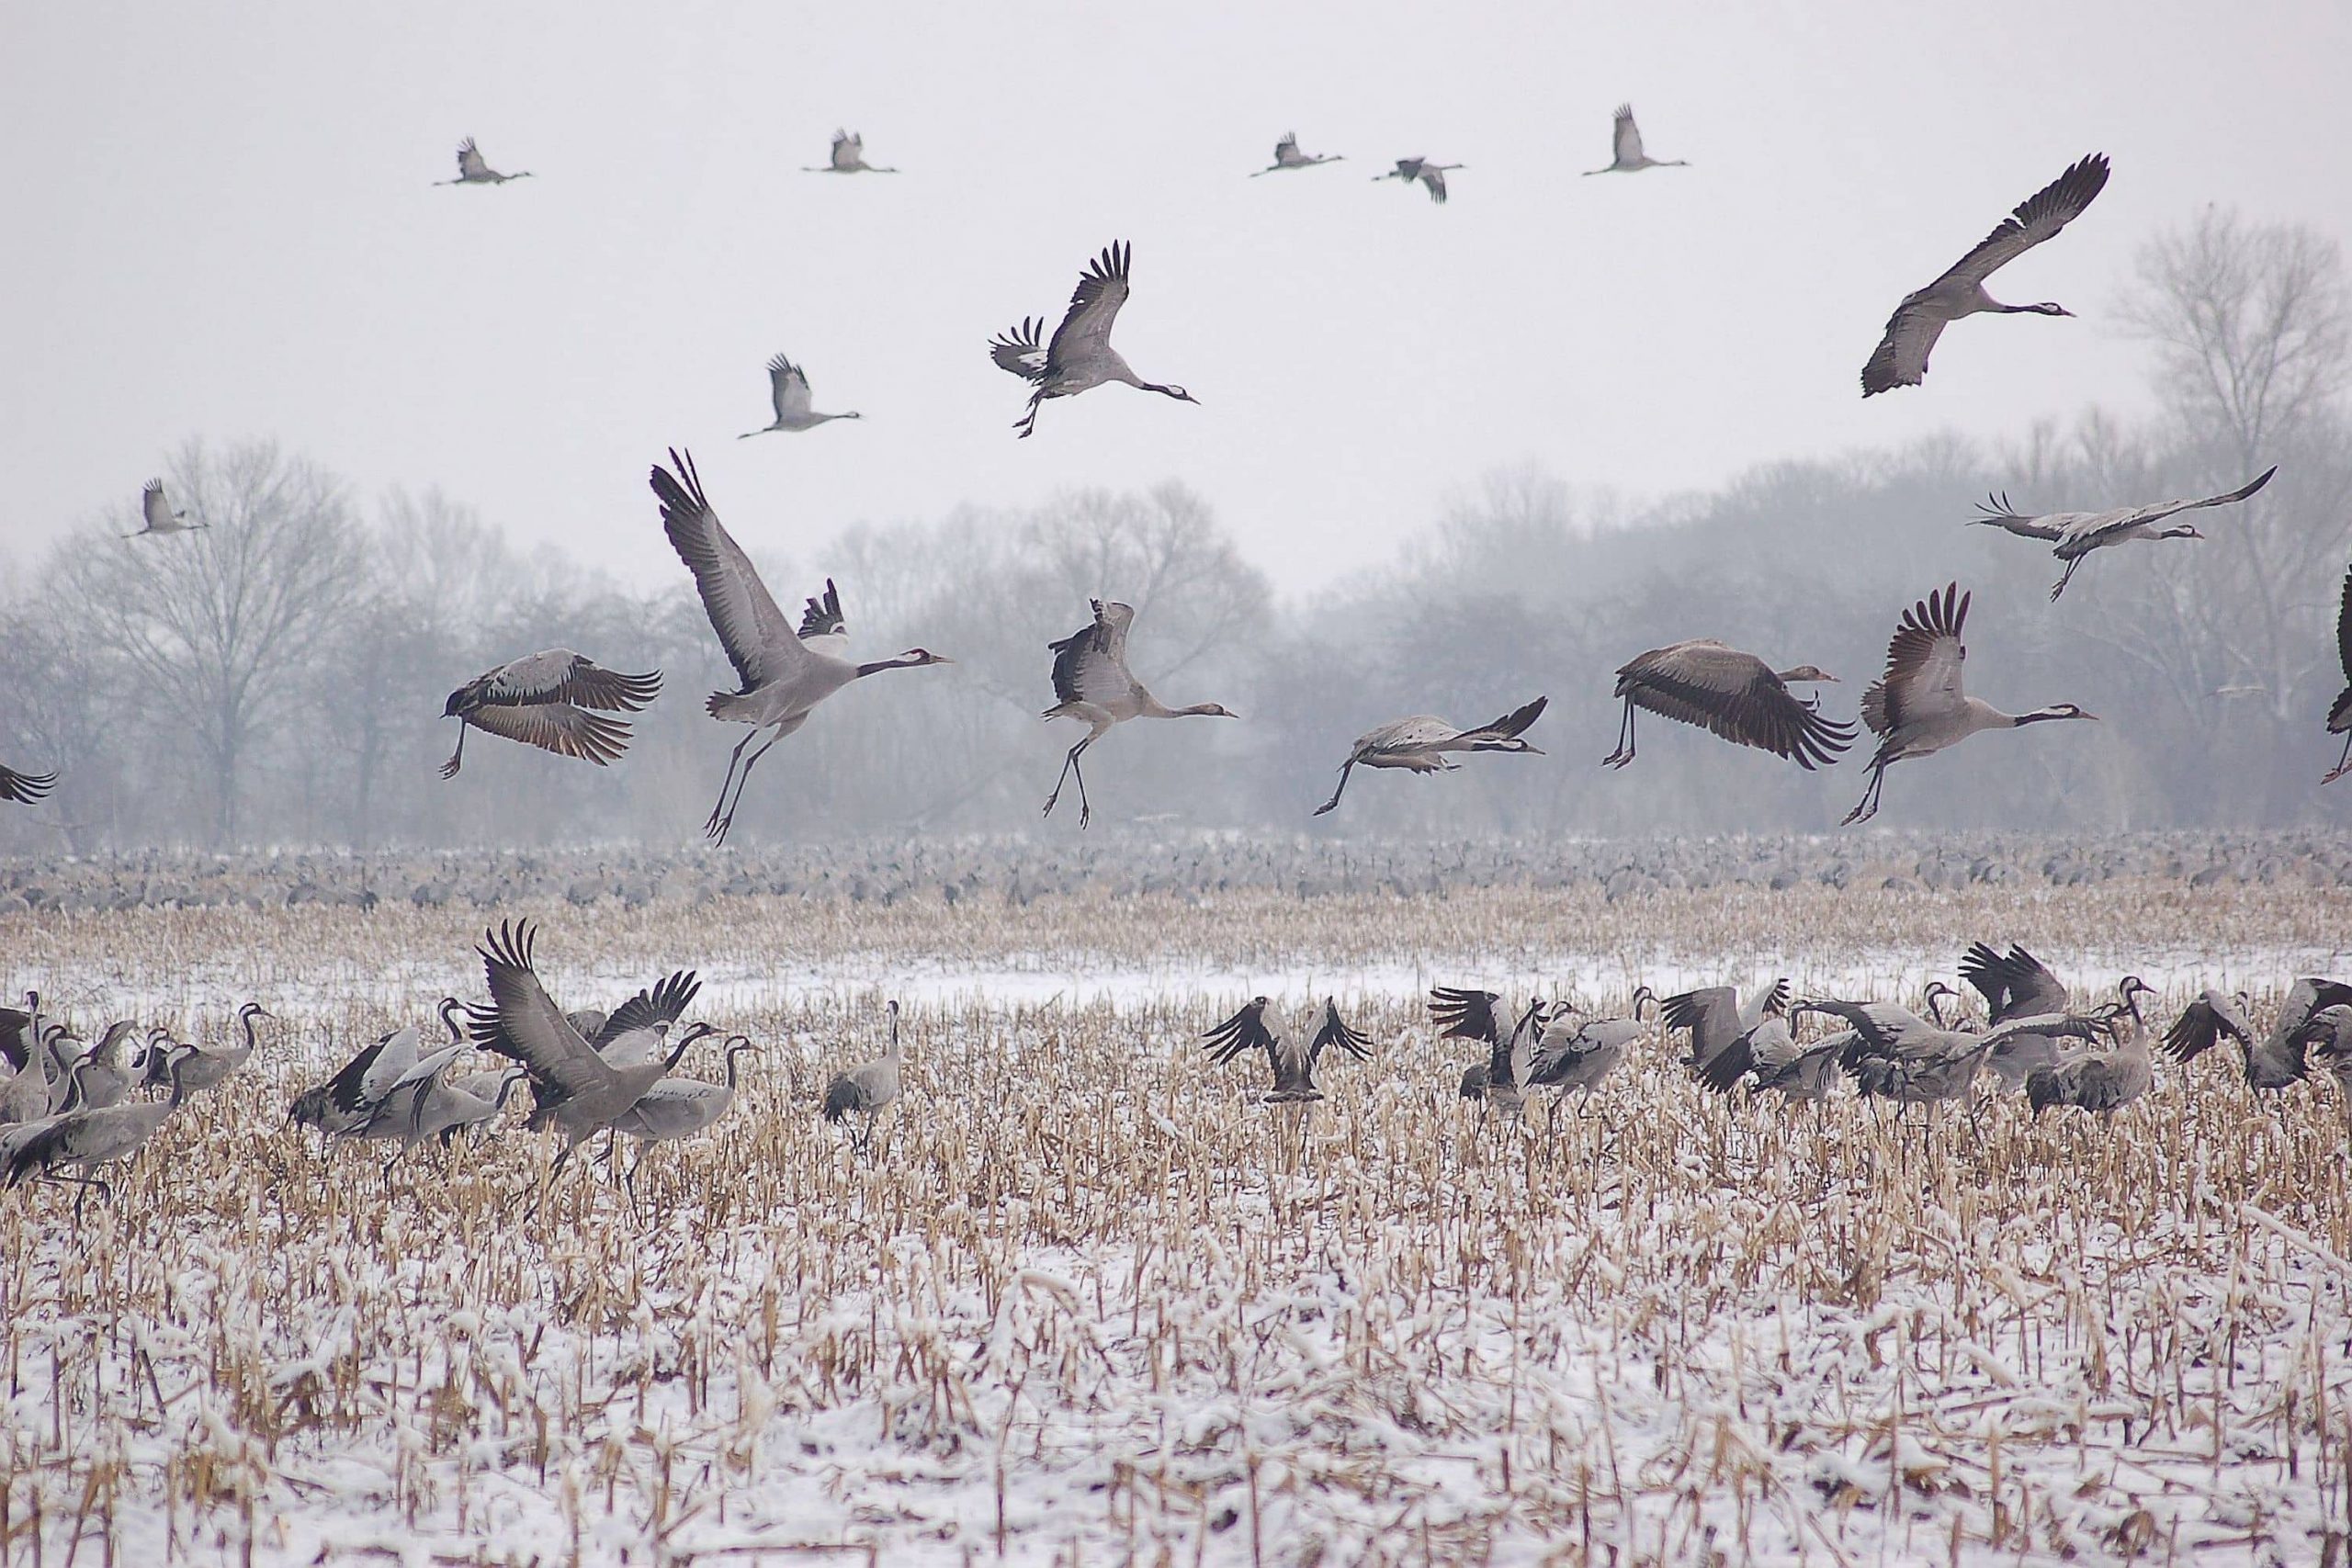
1901, 358
560, 675
1923, 660
524, 1023
1627, 136
787, 388
1090, 665
2162, 510
2038, 218
1465, 1014
848, 150
471, 164
664, 1004
559, 728
822, 629
1336, 1033
1245, 1030
2344, 635
153, 507
1085, 332
1433, 180
758, 641
1733, 694
25, 788
2201, 1026
1019, 350
1999, 514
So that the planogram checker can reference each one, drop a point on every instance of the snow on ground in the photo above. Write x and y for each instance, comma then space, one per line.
1089, 1301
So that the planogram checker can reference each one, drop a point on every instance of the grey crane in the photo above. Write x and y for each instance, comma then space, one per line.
423, 1103
1901, 358
1782, 1065
1582, 1057
2072, 536
104, 1077
2326, 1040
1288, 157
2104, 1082
1626, 156
1293, 1064
1726, 1035
342, 1106
1917, 707
848, 157
573, 1088
473, 169
1093, 685
1733, 694
158, 515
785, 676
2014, 985
2339, 716
84, 1140
2278, 1062
788, 392
26, 789
1905, 1057
679, 1108
1431, 176
1420, 744
1467, 1013
1079, 358
556, 700
21, 1031
206, 1069
866, 1089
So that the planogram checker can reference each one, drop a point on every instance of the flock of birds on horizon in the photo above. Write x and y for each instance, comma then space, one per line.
561, 702
67, 1107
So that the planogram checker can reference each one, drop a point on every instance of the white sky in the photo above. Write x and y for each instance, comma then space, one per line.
220, 221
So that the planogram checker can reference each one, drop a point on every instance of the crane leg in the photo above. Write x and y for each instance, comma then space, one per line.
449, 768
1624, 752
719, 833
1070, 767
84, 1183
1867, 807
711, 827
2064, 577
1344, 769
2343, 763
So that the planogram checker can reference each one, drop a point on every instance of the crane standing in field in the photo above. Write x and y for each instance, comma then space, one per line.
1430, 175
867, 1088
1917, 708
1626, 156
473, 169
1293, 1066
789, 394
1420, 744
1735, 695
1079, 358
848, 157
84, 1140
555, 700
2339, 716
1091, 683
2072, 536
1901, 358
1288, 157
157, 513
785, 676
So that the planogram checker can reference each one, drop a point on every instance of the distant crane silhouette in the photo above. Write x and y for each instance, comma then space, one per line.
1420, 744
788, 390
475, 170
785, 676
848, 157
1625, 149
1917, 708
2074, 535
158, 513
1431, 176
1288, 157
1079, 358
1901, 358
1091, 683
555, 700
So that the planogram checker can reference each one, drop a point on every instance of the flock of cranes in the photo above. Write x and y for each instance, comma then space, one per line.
562, 702
69, 1108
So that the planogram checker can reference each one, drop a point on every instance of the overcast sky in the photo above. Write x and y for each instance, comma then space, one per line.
219, 222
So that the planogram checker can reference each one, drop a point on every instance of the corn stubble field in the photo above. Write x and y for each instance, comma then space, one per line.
1090, 1301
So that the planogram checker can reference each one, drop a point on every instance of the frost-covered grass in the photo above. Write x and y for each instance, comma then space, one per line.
1092, 1301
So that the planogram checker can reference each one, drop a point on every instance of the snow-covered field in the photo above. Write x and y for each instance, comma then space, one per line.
1091, 1301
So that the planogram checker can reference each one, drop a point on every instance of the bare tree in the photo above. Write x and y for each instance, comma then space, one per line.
214, 628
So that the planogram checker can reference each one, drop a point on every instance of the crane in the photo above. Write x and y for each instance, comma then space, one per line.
555, 700
1420, 744
1079, 358
1735, 695
2339, 716
2102, 1082
1093, 683
1626, 156
788, 392
473, 169
2278, 1062
866, 1089
157, 513
785, 676
2072, 536
1901, 358
848, 157
1288, 157
86, 1139
1293, 1066
1431, 176
1917, 708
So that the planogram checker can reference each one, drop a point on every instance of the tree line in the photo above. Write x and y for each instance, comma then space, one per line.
278, 678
